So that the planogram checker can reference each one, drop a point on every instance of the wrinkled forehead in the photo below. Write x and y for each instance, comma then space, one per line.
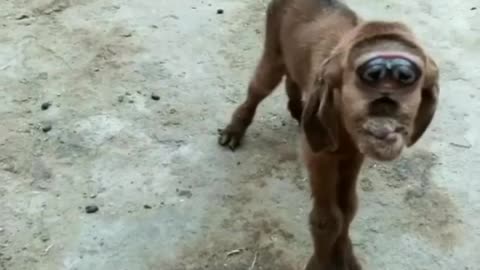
385, 47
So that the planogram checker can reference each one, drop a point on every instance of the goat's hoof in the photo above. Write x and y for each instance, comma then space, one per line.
297, 118
296, 109
354, 265
230, 137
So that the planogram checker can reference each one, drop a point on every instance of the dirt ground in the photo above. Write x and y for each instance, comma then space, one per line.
138, 90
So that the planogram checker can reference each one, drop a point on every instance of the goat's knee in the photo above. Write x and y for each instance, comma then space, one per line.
326, 223
326, 226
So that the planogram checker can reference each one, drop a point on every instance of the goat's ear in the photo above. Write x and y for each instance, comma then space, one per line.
428, 104
332, 70
319, 122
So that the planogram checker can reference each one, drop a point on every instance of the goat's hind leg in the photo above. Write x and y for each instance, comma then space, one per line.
267, 77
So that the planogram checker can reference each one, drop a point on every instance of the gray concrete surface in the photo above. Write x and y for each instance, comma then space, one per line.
112, 145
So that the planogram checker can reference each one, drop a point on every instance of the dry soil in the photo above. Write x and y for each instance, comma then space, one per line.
138, 89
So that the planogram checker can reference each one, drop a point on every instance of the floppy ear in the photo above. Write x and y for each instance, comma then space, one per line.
332, 70
319, 120
428, 105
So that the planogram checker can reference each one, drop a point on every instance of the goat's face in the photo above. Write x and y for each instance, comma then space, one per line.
384, 90
380, 97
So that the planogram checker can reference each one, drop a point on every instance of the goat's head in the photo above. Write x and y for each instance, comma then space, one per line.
378, 83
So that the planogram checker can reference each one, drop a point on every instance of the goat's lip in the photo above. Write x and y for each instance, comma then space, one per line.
388, 137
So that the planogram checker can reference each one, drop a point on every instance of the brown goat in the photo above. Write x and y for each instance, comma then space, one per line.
358, 88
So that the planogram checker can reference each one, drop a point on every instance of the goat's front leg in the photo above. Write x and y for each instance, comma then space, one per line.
294, 93
347, 200
326, 216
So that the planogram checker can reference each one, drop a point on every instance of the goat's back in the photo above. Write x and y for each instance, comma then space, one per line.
308, 31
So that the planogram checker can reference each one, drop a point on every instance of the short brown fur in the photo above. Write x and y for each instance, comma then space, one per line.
319, 46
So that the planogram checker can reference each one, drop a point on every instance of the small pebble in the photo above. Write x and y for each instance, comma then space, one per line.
46, 128
45, 238
185, 193
146, 206
43, 75
46, 105
22, 17
473, 8
91, 209
121, 99
219, 11
155, 97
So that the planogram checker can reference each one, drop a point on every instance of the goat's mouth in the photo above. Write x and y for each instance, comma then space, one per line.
386, 130
385, 135
382, 143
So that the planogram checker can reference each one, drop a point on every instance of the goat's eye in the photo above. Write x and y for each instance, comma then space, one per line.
405, 71
399, 69
404, 74
374, 73
373, 70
